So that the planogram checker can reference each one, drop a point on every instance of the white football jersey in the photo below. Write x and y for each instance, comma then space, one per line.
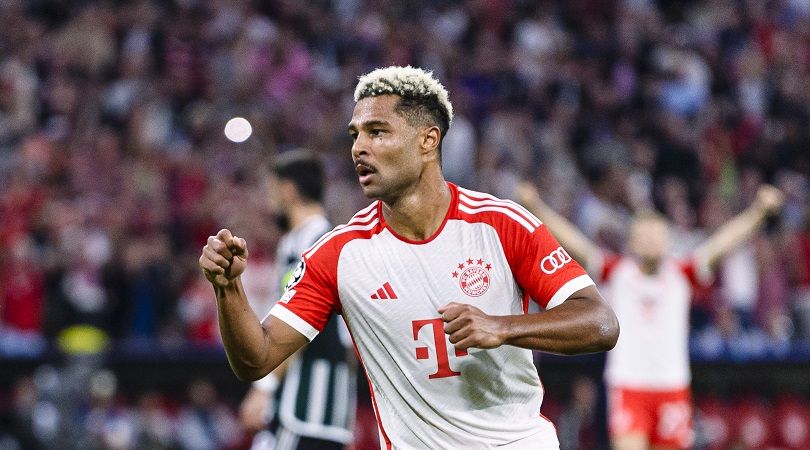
489, 253
653, 311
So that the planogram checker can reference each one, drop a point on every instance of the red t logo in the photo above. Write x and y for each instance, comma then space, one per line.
443, 370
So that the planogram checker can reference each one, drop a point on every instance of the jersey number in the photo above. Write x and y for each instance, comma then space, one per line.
443, 369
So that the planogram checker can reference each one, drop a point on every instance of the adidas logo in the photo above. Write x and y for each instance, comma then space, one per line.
386, 292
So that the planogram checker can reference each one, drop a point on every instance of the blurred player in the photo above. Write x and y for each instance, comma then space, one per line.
308, 402
434, 283
649, 401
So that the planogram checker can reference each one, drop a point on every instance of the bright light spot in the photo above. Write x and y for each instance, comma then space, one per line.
238, 129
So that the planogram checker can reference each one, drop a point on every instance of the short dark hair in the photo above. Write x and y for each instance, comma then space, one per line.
304, 170
424, 110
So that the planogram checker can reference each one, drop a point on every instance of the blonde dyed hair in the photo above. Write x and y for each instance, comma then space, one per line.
423, 99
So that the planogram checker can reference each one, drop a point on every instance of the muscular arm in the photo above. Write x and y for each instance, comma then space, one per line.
741, 227
254, 349
582, 324
574, 241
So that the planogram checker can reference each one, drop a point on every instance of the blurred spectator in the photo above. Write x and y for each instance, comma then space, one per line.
155, 427
713, 424
798, 252
576, 424
106, 423
24, 401
21, 303
753, 427
791, 422
205, 422
749, 422
198, 312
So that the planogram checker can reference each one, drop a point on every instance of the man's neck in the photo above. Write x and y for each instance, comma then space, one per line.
418, 214
301, 213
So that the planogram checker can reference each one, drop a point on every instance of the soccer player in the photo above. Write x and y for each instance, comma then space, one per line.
647, 374
311, 397
434, 282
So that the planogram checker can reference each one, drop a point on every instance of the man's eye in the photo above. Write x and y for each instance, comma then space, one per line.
376, 132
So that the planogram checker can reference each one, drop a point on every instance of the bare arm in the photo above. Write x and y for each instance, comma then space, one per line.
582, 324
741, 227
573, 240
253, 348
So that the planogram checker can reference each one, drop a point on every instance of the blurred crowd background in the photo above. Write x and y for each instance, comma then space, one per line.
114, 170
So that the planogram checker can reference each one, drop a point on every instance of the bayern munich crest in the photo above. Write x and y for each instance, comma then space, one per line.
473, 276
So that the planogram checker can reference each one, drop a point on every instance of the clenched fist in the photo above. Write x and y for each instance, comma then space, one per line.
223, 258
468, 326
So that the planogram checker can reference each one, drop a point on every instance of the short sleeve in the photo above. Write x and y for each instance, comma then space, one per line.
541, 266
310, 297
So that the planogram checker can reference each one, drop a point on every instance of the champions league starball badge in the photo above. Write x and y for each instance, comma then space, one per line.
296, 275
473, 276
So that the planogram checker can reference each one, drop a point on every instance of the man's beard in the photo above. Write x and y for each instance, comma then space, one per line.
283, 222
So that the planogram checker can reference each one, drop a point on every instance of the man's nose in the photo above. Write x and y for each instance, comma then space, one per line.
359, 147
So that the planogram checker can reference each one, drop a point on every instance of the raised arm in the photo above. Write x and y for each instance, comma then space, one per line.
739, 229
574, 241
583, 323
253, 348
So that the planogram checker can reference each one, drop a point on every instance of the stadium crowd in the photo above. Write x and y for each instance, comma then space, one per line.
113, 161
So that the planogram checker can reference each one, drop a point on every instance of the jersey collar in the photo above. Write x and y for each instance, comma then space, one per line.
451, 211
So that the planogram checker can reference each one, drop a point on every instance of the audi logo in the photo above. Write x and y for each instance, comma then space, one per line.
554, 261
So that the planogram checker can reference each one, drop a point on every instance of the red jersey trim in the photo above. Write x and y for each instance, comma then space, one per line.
361, 224
526, 298
371, 392
543, 397
604, 264
325, 254
700, 276
363, 213
450, 212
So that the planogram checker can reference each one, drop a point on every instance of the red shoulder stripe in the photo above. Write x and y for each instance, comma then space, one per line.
369, 224
362, 217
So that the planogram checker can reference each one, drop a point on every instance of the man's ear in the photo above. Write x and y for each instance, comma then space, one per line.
430, 139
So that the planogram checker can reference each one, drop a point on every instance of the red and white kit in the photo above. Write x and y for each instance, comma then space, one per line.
648, 370
489, 253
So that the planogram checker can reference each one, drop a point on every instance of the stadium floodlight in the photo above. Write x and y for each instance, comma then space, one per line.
238, 129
